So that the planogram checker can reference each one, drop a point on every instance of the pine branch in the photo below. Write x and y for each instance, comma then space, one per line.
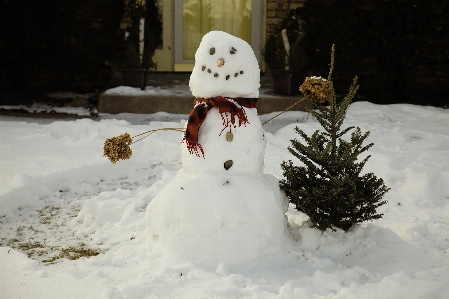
345, 131
331, 67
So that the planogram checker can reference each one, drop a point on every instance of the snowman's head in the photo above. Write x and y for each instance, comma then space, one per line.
225, 66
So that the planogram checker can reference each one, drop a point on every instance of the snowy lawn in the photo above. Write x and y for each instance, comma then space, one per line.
72, 224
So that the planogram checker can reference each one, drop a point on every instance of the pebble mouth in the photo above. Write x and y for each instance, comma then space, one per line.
227, 77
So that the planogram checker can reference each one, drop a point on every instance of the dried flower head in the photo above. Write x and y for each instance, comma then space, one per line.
318, 88
117, 148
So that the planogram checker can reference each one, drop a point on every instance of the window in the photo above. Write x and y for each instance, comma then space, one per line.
194, 18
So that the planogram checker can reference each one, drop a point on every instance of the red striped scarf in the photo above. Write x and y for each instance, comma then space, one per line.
228, 109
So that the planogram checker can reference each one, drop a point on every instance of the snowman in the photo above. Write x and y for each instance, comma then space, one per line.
221, 207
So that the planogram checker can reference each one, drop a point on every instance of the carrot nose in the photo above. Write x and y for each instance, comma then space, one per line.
220, 62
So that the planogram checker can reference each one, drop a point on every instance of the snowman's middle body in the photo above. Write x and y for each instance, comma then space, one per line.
244, 146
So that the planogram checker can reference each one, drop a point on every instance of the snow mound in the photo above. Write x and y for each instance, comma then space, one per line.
216, 218
404, 255
150, 90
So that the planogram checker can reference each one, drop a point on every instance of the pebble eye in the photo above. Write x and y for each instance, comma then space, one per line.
233, 50
212, 51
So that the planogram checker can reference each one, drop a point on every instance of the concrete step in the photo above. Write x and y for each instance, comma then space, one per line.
183, 104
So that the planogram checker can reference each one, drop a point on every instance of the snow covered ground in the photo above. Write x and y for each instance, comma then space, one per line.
60, 197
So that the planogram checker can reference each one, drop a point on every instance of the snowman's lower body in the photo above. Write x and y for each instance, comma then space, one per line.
215, 218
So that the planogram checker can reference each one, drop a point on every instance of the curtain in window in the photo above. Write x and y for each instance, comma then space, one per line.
202, 16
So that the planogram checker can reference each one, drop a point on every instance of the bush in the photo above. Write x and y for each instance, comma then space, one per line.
64, 38
393, 46
126, 50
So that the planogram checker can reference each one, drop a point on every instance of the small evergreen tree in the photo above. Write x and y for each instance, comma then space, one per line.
329, 187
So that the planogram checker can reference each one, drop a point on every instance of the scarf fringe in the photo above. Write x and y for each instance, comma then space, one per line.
228, 119
228, 108
194, 147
